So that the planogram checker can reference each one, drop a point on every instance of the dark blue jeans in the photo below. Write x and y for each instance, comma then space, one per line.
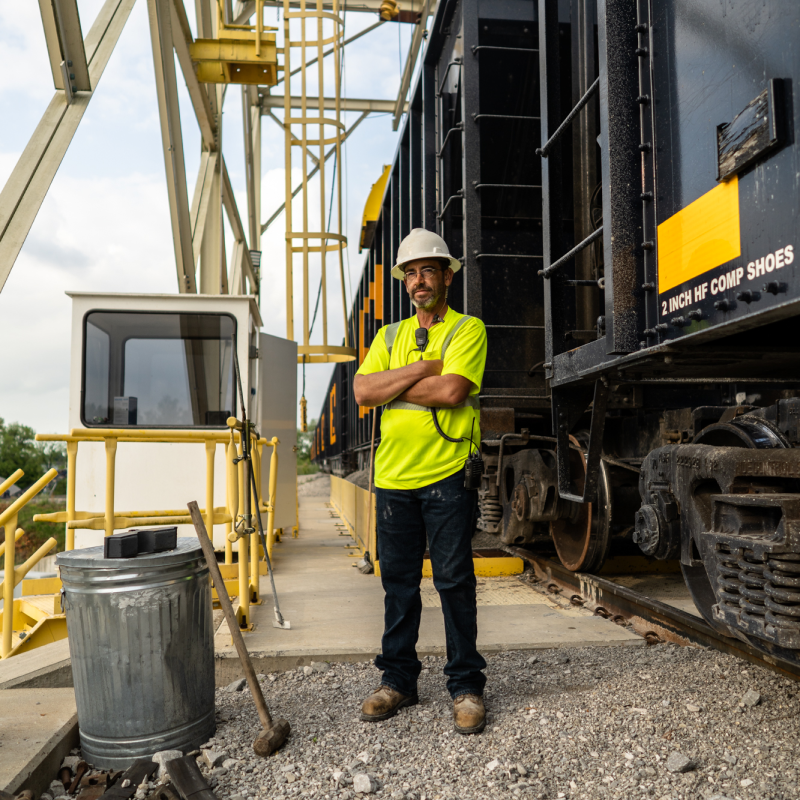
446, 511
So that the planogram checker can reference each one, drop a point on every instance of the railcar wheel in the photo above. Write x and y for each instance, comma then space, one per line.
745, 431
582, 540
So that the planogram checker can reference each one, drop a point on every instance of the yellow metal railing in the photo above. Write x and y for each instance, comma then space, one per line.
13, 575
234, 511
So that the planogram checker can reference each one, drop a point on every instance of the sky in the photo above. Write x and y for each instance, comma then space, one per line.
104, 225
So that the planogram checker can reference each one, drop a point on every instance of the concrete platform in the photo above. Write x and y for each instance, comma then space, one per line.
337, 613
46, 667
38, 727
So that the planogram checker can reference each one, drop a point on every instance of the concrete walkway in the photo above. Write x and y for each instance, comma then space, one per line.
337, 613
38, 727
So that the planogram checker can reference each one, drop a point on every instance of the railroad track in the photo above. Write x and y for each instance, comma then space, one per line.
652, 619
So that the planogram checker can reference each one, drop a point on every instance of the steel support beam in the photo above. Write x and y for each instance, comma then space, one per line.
213, 273
621, 177
25, 190
202, 199
206, 16
232, 210
62, 32
329, 103
160, 14
198, 94
400, 105
251, 113
237, 284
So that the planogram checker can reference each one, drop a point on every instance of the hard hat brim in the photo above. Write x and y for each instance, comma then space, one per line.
397, 269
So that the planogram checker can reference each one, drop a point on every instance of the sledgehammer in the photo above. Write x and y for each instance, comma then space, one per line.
274, 734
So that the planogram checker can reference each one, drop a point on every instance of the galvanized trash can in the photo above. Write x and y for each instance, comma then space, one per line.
142, 645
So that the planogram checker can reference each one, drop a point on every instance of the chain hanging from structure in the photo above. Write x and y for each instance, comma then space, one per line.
318, 125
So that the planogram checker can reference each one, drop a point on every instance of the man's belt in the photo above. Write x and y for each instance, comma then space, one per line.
402, 405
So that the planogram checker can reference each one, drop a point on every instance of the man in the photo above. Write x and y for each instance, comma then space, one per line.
434, 360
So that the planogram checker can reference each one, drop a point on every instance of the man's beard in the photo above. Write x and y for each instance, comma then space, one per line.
428, 304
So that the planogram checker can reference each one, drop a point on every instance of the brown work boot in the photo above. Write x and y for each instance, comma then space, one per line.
385, 702
469, 715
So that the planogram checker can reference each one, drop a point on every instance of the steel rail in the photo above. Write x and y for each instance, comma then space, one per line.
654, 620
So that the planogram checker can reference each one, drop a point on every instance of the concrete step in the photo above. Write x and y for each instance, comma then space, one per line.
38, 727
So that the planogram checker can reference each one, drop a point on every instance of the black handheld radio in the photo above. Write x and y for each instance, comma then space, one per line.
473, 466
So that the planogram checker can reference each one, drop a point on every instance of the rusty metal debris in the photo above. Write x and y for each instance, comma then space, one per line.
80, 771
65, 776
576, 600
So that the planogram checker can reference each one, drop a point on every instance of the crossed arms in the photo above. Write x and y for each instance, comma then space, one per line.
421, 382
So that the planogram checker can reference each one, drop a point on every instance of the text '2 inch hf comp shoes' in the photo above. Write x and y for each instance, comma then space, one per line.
385, 702
469, 715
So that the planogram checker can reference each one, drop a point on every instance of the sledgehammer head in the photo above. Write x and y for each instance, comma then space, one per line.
268, 741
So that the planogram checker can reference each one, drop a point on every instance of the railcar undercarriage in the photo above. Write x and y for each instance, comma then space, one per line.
637, 279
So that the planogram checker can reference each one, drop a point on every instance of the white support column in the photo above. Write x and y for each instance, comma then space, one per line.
212, 244
201, 201
251, 113
160, 13
236, 285
232, 210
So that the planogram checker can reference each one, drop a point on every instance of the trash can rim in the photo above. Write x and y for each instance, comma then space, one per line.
93, 556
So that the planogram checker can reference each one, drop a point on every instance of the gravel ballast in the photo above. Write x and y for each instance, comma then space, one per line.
611, 722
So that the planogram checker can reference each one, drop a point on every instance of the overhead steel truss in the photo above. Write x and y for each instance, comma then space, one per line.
203, 263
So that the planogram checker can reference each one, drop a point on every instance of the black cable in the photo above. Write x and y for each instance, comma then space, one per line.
441, 432
449, 438
238, 377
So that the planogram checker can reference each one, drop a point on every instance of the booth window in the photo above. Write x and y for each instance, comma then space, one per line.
156, 370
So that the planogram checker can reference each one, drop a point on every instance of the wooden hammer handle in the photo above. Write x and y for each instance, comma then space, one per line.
230, 616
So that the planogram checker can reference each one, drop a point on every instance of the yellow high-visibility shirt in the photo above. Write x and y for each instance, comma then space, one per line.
411, 453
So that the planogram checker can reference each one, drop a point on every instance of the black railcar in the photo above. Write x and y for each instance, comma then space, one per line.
621, 181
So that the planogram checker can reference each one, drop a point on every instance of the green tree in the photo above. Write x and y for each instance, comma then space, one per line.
54, 454
18, 450
304, 440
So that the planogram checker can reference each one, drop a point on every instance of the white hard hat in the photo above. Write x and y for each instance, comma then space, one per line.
422, 244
